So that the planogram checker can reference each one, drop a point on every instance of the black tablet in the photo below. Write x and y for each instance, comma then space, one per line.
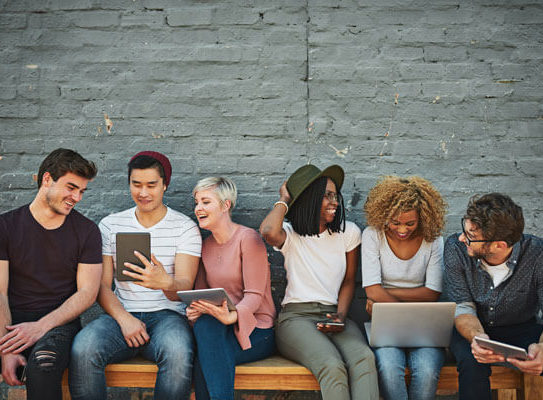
127, 243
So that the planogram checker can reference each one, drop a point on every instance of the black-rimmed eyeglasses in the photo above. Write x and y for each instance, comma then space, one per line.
468, 240
332, 196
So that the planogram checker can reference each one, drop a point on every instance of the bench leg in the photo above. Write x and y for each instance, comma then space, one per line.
66, 393
533, 387
506, 394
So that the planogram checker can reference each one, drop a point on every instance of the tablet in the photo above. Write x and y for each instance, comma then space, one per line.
126, 244
506, 350
215, 296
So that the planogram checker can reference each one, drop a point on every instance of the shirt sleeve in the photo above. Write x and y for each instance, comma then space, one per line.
105, 230
201, 278
189, 241
256, 276
434, 271
371, 258
91, 253
4, 253
288, 240
353, 236
457, 289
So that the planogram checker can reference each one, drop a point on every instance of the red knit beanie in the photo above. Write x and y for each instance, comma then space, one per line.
162, 159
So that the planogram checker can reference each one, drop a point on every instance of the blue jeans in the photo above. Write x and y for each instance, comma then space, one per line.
101, 342
48, 358
218, 354
425, 364
473, 377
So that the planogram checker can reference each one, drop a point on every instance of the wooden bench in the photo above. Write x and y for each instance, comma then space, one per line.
278, 373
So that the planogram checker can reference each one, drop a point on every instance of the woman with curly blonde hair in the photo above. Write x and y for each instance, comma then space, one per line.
402, 256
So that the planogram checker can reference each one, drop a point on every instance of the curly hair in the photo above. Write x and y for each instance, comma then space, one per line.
393, 195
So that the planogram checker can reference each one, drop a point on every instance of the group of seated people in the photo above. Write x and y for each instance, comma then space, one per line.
54, 264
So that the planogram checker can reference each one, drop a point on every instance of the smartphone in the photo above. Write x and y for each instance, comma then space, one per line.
20, 373
330, 322
126, 244
504, 349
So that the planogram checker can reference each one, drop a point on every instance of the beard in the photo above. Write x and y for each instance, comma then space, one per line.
483, 252
56, 205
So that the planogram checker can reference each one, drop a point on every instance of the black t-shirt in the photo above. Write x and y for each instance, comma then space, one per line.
43, 263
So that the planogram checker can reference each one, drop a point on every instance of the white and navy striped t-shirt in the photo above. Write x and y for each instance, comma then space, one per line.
175, 233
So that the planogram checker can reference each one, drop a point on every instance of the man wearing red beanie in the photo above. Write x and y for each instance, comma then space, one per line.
143, 316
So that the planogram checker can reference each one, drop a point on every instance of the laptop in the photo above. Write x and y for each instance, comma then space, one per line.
424, 324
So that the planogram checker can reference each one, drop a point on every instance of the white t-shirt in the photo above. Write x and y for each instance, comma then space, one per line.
316, 265
498, 273
381, 266
174, 234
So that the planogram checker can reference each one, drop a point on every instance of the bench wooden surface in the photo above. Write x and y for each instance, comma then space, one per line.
278, 373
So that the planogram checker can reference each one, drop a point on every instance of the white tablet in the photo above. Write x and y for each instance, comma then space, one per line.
215, 296
504, 349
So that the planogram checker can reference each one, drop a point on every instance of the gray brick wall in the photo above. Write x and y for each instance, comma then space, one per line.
253, 89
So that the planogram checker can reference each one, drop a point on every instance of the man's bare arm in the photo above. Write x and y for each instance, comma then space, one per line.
134, 330
468, 325
24, 335
154, 276
5, 313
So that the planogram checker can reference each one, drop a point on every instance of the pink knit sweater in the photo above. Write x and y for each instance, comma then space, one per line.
240, 266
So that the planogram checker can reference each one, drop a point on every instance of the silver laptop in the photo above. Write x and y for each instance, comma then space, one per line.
411, 324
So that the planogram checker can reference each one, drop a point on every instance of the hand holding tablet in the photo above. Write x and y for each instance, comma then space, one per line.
214, 296
503, 349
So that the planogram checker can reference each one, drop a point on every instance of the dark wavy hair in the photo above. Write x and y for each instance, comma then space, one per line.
498, 217
304, 214
61, 161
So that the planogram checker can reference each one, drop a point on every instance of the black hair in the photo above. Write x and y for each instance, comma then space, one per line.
61, 161
146, 162
498, 217
304, 214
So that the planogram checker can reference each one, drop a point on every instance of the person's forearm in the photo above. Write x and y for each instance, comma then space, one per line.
414, 294
379, 294
5, 315
271, 227
176, 285
468, 326
111, 303
345, 297
72, 308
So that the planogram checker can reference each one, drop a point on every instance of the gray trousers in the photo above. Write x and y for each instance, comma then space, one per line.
342, 362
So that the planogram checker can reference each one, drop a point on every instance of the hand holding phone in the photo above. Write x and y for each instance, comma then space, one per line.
20, 373
333, 323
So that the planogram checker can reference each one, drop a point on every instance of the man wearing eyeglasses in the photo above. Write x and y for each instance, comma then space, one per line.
494, 273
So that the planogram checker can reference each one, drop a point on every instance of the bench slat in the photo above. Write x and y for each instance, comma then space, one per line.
278, 373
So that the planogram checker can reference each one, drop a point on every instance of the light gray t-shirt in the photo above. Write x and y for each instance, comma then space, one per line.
381, 266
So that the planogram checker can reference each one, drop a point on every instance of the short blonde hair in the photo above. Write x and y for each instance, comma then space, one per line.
224, 188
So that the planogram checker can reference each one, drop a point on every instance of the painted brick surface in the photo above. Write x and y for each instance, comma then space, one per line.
254, 89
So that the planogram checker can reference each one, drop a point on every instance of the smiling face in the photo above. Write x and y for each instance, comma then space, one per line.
147, 189
403, 225
209, 210
63, 194
329, 203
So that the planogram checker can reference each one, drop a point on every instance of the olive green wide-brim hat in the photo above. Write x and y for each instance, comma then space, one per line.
306, 175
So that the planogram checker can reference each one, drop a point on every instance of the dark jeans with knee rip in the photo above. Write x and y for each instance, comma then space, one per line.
48, 358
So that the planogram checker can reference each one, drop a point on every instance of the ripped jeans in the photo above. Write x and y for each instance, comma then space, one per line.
48, 358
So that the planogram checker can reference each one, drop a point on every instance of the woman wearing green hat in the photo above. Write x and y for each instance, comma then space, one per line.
321, 253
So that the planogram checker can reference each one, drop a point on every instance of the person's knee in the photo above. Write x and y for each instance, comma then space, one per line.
43, 361
334, 369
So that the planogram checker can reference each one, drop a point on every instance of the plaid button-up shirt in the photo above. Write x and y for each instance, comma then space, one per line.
515, 300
